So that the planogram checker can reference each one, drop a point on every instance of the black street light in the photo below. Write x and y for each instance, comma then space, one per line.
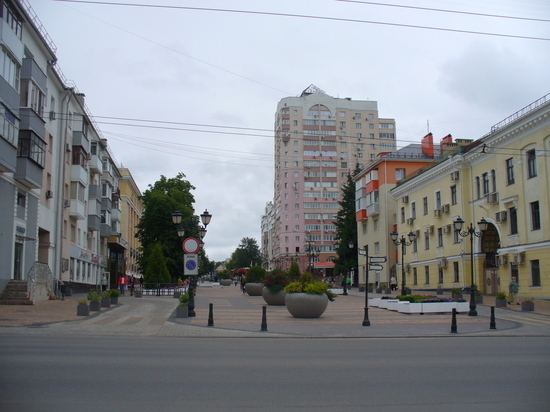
403, 242
470, 231
312, 254
366, 321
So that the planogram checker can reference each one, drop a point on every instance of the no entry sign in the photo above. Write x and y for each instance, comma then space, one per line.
191, 245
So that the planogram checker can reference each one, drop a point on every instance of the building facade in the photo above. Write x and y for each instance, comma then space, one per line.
319, 140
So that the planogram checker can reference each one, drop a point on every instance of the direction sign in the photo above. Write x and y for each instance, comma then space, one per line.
376, 267
190, 245
190, 262
378, 259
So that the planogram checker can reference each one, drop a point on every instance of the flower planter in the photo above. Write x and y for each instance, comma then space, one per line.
393, 305
105, 302
304, 305
407, 307
378, 290
225, 282
374, 302
456, 295
82, 310
479, 299
95, 306
114, 300
462, 307
527, 306
254, 289
384, 303
275, 299
182, 312
439, 307
500, 303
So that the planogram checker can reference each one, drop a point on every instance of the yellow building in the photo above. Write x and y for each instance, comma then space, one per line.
502, 178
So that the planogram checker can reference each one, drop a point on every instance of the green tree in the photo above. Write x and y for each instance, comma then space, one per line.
346, 227
160, 200
294, 271
246, 255
156, 270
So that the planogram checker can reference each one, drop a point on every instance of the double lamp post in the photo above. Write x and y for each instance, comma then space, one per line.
403, 242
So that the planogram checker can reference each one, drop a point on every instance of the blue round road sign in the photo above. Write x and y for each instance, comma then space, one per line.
191, 265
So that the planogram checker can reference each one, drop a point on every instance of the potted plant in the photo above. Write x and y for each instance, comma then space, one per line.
82, 308
479, 297
254, 280
105, 300
113, 295
273, 291
500, 301
379, 288
456, 293
182, 311
224, 276
308, 297
528, 305
95, 301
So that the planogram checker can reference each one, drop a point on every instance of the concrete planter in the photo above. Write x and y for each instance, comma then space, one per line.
374, 302
462, 307
383, 303
275, 299
82, 310
95, 306
500, 303
407, 307
182, 312
226, 282
254, 289
114, 300
105, 302
304, 305
527, 306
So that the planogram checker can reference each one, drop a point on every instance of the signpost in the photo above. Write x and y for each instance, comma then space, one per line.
378, 259
375, 267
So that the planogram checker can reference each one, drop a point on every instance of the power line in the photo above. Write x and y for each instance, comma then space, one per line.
305, 16
444, 11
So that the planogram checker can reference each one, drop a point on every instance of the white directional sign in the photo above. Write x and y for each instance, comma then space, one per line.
376, 267
378, 259
191, 263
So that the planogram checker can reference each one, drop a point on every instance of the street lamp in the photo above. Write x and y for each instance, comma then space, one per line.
312, 253
470, 231
205, 218
403, 242
366, 321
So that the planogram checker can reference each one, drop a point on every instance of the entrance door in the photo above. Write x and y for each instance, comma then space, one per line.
491, 281
18, 261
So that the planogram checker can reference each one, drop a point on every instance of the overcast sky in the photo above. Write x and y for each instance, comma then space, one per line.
227, 70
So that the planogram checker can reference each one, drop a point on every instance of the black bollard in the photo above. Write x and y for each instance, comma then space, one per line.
453, 322
264, 319
492, 324
211, 315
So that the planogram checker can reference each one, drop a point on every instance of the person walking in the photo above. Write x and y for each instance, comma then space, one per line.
132, 285
393, 283
122, 284
513, 288
104, 283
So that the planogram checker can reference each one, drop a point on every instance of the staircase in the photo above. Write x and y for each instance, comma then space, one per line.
15, 293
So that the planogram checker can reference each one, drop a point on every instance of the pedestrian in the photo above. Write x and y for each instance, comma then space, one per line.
513, 288
141, 281
348, 282
243, 287
132, 285
393, 283
122, 284
104, 282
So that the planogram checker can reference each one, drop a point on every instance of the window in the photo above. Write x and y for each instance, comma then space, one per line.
427, 240
535, 215
342, 124
531, 163
9, 125
402, 215
513, 214
453, 195
399, 174
438, 200
478, 188
440, 237
456, 272
535, 273
425, 203
32, 147
413, 210
357, 116
510, 178
440, 275
32, 96
485, 178
386, 125
494, 180
427, 275
9, 69
358, 125
415, 276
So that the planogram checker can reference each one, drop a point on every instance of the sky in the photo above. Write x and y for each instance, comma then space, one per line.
175, 87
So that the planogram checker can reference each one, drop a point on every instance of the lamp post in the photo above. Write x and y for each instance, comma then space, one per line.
403, 242
470, 231
312, 253
366, 321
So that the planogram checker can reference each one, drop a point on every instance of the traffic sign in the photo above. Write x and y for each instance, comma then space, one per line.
378, 259
190, 262
376, 267
190, 245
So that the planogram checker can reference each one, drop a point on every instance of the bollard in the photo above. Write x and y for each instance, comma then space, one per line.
492, 324
211, 315
453, 322
264, 319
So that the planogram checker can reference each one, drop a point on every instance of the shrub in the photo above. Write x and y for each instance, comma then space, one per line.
308, 284
113, 293
94, 296
83, 302
294, 287
256, 274
276, 280
501, 295
105, 295
184, 299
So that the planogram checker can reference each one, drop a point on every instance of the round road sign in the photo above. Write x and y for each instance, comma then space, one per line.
191, 245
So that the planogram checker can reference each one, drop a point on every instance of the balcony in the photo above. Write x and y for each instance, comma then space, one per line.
30, 120
115, 214
80, 139
373, 209
372, 185
95, 164
361, 215
30, 70
79, 174
28, 172
105, 230
94, 223
78, 209
94, 192
8, 156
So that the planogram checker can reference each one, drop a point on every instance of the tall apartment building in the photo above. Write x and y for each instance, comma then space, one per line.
319, 139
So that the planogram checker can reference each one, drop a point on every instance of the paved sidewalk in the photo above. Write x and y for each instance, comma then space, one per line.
235, 314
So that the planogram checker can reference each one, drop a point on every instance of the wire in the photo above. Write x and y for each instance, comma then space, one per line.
305, 16
443, 11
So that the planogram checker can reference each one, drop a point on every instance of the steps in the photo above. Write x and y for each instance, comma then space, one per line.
15, 293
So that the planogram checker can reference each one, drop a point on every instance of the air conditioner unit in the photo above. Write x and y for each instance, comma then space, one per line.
455, 176
67, 203
500, 216
67, 147
417, 233
52, 115
405, 199
437, 213
431, 229
407, 267
89, 235
446, 208
503, 260
447, 229
49, 194
410, 221
491, 198
89, 156
442, 262
519, 258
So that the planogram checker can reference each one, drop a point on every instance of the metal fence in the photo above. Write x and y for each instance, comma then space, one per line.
161, 289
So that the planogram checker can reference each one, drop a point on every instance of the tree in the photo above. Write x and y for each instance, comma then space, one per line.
160, 200
156, 270
294, 271
346, 227
246, 255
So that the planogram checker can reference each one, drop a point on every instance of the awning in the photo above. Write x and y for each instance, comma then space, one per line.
323, 265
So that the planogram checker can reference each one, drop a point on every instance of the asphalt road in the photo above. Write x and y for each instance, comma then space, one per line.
122, 373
